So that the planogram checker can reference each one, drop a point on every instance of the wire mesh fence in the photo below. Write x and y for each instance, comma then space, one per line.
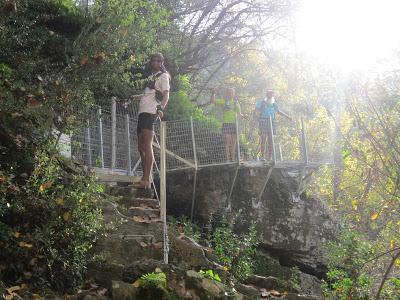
108, 140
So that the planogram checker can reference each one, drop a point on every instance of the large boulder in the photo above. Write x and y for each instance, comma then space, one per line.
291, 231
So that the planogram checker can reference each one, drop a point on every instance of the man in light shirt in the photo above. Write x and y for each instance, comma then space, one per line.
151, 106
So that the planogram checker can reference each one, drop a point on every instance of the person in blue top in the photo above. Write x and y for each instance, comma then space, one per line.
265, 109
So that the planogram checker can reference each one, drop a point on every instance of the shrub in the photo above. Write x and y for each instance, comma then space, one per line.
184, 225
235, 252
346, 276
48, 222
180, 107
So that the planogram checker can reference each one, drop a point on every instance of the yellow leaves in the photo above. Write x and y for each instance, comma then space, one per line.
45, 186
397, 262
374, 216
66, 216
225, 268
60, 201
354, 204
12, 291
100, 57
17, 234
392, 244
25, 245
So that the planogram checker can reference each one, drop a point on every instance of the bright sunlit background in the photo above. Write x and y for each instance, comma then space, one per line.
348, 35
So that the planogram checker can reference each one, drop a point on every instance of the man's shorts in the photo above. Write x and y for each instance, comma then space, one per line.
264, 127
146, 121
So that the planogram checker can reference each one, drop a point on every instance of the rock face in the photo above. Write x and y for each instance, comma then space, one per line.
292, 232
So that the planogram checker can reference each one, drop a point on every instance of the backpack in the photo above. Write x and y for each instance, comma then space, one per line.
151, 85
263, 105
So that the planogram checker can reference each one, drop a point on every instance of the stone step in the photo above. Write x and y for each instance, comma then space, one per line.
130, 192
127, 202
139, 211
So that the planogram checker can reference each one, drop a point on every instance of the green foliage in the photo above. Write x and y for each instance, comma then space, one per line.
211, 275
347, 277
154, 286
294, 279
235, 252
184, 225
180, 107
154, 280
49, 221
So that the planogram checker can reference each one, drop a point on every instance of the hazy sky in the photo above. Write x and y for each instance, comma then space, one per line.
348, 34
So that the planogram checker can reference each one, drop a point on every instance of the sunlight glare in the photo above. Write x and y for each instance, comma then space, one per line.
348, 34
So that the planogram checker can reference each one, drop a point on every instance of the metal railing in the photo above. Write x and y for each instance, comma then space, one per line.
107, 140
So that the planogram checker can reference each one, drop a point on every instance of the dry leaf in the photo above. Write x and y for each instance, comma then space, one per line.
143, 244
17, 234
12, 289
136, 284
16, 114
102, 291
84, 61
25, 245
374, 216
66, 216
60, 201
140, 219
100, 57
45, 186
274, 293
158, 245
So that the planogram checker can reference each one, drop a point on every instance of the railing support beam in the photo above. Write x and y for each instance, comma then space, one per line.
128, 144
163, 189
88, 142
100, 117
194, 143
304, 142
113, 132
231, 189
193, 196
271, 129
237, 138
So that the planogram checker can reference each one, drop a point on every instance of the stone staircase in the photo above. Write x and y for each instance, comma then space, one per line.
136, 232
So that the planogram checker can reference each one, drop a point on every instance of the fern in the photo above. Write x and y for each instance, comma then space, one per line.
211, 275
154, 280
